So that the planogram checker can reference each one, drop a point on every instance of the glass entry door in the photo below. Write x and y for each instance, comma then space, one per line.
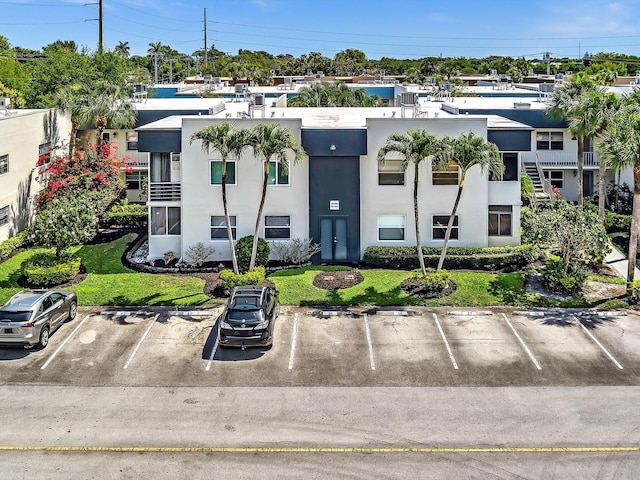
333, 239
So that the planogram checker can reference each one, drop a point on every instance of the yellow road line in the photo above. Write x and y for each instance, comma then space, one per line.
53, 448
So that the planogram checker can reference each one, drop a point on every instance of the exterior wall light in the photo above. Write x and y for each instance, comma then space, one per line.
332, 148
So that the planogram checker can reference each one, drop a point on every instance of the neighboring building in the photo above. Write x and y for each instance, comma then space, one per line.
28, 139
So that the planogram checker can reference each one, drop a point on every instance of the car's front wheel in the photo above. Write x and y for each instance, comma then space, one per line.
44, 337
73, 310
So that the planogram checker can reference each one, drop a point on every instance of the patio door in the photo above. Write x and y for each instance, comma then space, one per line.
333, 239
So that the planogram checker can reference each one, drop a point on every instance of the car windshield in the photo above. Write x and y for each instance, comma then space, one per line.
245, 315
14, 316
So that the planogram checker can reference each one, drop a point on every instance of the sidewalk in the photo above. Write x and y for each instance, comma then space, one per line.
619, 263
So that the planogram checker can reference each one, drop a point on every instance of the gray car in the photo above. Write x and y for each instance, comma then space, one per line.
29, 317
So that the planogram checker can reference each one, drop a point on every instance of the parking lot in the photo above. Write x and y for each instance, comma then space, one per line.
417, 347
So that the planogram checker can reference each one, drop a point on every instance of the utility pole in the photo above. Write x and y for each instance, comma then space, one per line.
100, 27
205, 38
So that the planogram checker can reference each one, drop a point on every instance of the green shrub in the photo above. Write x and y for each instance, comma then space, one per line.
556, 279
10, 244
230, 280
434, 281
615, 222
471, 258
243, 252
45, 269
129, 215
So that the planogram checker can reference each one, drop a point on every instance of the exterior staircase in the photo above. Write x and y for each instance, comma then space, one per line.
534, 172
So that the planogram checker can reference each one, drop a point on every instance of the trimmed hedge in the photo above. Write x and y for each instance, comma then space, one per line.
10, 244
230, 280
44, 269
133, 216
468, 258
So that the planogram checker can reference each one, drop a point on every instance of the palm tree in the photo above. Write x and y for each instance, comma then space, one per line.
593, 111
413, 146
467, 151
563, 104
122, 49
69, 99
621, 145
271, 141
106, 104
229, 143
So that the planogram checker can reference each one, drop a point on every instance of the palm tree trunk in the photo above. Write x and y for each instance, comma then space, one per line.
254, 248
633, 235
72, 139
417, 220
602, 189
234, 260
447, 234
580, 169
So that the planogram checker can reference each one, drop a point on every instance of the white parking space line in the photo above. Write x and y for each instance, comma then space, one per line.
526, 349
598, 343
135, 350
294, 337
371, 359
446, 343
64, 343
213, 354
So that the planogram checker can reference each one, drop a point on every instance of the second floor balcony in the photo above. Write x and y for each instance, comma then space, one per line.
165, 191
561, 158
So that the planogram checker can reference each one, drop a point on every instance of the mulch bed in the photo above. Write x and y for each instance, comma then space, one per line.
415, 288
338, 279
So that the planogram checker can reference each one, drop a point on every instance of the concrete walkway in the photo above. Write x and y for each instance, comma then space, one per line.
619, 263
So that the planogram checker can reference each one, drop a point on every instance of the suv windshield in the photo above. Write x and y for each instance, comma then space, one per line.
14, 316
250, 315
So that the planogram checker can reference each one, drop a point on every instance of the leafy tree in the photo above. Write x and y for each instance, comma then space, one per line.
16, 98
65, 222
413, 146
333, 95
229, 143
467, 151
271, 141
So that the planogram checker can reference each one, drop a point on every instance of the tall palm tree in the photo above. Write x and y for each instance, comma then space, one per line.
105, 104
563, 105
122, 49
467, 151
229, 143
414, 146
271, 141
621, 145
69, 99
593, 111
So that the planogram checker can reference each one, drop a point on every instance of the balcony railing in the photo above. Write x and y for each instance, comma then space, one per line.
559, 158
164, 191
137, 160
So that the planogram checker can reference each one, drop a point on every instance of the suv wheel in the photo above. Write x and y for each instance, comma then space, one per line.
44, 337
73, 310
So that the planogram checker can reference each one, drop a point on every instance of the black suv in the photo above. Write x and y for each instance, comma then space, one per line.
249, 317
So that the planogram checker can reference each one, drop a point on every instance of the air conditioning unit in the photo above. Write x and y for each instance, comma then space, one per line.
5, 102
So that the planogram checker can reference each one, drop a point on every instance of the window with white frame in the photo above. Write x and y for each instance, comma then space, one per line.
391, 172
277, 227
132, 141
4, 215
549, 141
165, 221
555, 177
278, 174
447, 176
391, 227
216, 172
4, 164
500, 220
136, 180
219, 227
439, 227
510, 162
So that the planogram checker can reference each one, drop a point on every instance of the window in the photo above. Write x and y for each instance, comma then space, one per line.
165, 221
137, 180
277, 227
510, 161
44, 153
390, 172
446, 177
500, 220
106, 137
4, 215
439, 227
278, 174
549, 141
132, 141
219, 227
4, 164
216, 173
555, 177
391, 227
160, 167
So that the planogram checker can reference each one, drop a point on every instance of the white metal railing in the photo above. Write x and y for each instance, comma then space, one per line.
164, 191
560, 158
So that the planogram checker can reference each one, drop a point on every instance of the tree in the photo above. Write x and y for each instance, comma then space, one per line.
68, 99
122, 49
16, 98
334, 95
271, 141
467, 151
621, 145
413, 146
229, 143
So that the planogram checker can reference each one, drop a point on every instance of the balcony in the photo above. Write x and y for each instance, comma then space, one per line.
164, 191
560, 158
137, 160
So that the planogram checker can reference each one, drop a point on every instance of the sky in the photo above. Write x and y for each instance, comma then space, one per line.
407, 29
